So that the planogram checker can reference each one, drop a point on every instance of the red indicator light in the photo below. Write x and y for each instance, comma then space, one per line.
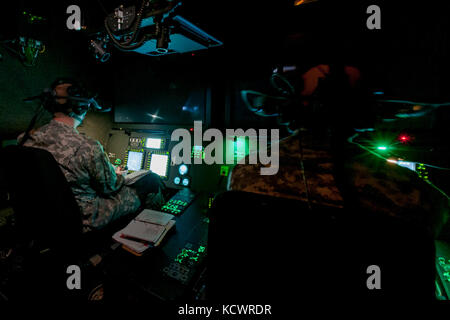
404, 138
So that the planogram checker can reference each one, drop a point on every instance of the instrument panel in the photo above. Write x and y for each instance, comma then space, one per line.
152, 151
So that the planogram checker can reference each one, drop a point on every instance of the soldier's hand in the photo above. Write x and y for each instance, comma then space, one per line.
119, 170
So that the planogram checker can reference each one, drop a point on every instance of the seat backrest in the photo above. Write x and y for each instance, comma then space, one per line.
259, 246
44, 206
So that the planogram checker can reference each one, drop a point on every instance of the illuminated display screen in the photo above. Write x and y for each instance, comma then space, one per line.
239, 147
153, 143
179, 99
407, 164
134, 162
197, 152
159, 163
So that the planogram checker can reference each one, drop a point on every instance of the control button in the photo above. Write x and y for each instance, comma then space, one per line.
183, 169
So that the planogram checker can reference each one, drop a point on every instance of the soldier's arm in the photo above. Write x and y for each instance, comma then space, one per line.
104, 178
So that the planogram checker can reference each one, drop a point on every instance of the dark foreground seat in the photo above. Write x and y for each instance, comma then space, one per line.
263, 249
48, 223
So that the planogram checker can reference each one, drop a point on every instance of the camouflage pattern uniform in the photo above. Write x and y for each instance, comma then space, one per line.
100, 193
289, 182
370, 184
378, 186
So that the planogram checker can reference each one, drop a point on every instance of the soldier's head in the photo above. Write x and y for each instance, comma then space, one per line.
312, 98
65, 102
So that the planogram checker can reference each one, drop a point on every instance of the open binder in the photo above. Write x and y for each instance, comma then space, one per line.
145, 231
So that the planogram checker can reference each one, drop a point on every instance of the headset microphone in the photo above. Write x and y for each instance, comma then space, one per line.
47, 93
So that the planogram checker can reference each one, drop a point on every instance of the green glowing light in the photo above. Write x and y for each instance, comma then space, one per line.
240, 148
382, 148
224, 171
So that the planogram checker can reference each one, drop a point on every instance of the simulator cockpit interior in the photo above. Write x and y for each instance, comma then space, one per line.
225, 158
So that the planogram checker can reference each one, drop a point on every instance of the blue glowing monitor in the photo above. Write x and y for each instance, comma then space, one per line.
134, 161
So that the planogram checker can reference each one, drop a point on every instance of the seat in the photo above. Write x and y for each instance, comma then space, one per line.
48, 226
45, 209
262, 248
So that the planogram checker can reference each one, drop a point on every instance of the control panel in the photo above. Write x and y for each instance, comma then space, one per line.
135, 142
150, 142
198, 152
184, 265
443, 270
179, 202
148, 152
151, 149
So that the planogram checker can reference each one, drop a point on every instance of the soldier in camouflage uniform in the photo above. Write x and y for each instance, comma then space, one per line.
288, 182
315, 182
97, 185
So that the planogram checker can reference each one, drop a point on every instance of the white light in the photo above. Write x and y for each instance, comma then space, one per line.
406, 164
153, 143
158, 164
154, 116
